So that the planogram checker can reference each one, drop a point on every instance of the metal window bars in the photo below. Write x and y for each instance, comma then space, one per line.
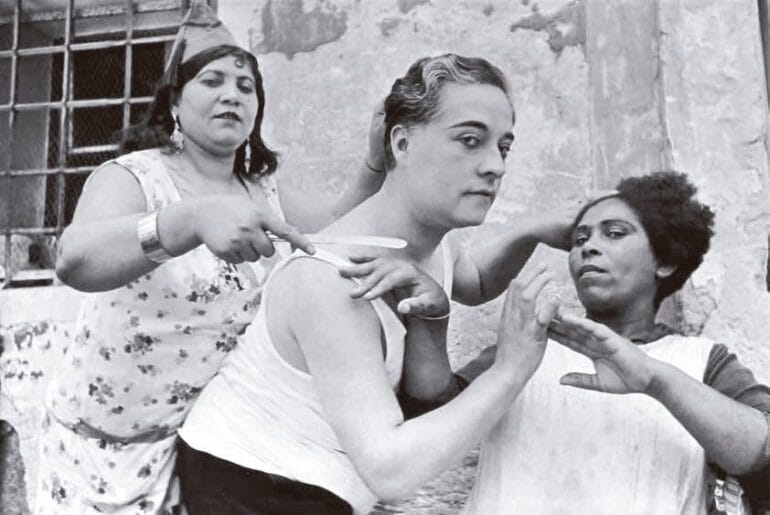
10, 272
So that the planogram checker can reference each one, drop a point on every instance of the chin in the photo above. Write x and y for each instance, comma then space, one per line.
227, 146
470, 219
595, 301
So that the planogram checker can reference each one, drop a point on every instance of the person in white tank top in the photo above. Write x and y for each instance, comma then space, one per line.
679, 402
304, 417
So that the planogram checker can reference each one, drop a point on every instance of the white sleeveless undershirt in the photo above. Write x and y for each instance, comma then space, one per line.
262, 413
565, 450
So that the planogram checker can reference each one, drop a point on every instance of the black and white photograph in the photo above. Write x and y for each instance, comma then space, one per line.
379, 257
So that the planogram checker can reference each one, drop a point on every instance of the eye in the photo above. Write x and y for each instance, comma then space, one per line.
615, 234
211, 82
504, 150
246, 86
579, 239
470, 140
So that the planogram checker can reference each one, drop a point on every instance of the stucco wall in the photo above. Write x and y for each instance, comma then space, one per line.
602, 90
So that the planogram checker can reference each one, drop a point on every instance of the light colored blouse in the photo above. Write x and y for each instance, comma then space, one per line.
565, 450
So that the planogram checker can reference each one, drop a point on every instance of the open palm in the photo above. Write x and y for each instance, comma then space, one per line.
620, 366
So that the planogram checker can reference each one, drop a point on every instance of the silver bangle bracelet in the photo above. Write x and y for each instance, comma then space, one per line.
442, 317
147, 231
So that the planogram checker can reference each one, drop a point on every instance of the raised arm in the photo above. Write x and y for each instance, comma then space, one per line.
341, 343
733, 435
481, 274
311, 213
100, 250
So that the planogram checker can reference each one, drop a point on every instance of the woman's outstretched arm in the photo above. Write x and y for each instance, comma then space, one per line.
341, 341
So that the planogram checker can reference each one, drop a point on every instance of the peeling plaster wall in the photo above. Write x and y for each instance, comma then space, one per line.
602, 90
715, 110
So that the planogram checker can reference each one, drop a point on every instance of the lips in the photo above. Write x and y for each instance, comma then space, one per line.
228, 115
590, 268
485, 193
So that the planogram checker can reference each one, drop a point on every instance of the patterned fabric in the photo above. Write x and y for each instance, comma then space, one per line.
262, 413
139, 356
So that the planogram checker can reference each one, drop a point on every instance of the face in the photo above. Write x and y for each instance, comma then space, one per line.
218, 106
611, 260
454, 163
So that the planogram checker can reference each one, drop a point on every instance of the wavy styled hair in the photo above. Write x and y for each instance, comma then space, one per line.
678, 226
157, 125
415, 98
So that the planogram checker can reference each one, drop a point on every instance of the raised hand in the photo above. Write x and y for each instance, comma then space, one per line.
235, 228
375, 158
554, 228
522, 331
621, 367
417, 293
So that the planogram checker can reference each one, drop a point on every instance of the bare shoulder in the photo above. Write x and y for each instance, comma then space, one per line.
314, 288
111, 190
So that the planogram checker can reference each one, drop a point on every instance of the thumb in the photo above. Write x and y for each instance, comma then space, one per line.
547, 311
405, 307
580, 380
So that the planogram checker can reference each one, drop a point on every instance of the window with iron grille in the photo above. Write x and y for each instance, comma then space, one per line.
73, 75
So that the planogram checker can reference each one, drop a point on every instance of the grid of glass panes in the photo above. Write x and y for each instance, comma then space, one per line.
73, 75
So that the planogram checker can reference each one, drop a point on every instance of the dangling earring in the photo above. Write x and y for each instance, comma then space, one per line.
247, 157
177, 138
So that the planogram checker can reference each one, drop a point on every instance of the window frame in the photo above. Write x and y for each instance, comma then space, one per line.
66, 105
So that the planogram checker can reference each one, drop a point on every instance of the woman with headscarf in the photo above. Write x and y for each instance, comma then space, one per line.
161, 236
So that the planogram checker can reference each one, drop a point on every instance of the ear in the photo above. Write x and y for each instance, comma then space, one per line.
664, 271
399, 141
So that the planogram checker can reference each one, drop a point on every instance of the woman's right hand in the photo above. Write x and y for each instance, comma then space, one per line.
235, 228
522, 331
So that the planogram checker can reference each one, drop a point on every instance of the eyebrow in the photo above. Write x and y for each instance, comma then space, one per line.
479, 125
605, 223
220, 72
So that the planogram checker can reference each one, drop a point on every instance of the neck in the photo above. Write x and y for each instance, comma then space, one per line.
214, 167
385, 214
632, 323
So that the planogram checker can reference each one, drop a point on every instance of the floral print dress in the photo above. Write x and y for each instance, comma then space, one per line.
139, 357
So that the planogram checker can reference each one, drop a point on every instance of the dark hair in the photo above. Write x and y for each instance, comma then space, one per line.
678, 226
157, 125
416, 97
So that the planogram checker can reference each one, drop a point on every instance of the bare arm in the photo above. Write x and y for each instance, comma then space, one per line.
484, 274
427, 372
732, 434
340, 339
312, 212
100, 250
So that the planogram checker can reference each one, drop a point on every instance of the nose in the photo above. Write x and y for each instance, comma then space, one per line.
229, 94
589, 248
492, 164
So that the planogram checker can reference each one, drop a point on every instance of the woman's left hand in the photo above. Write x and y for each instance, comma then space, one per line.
621, 367
417, 292
554, 228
